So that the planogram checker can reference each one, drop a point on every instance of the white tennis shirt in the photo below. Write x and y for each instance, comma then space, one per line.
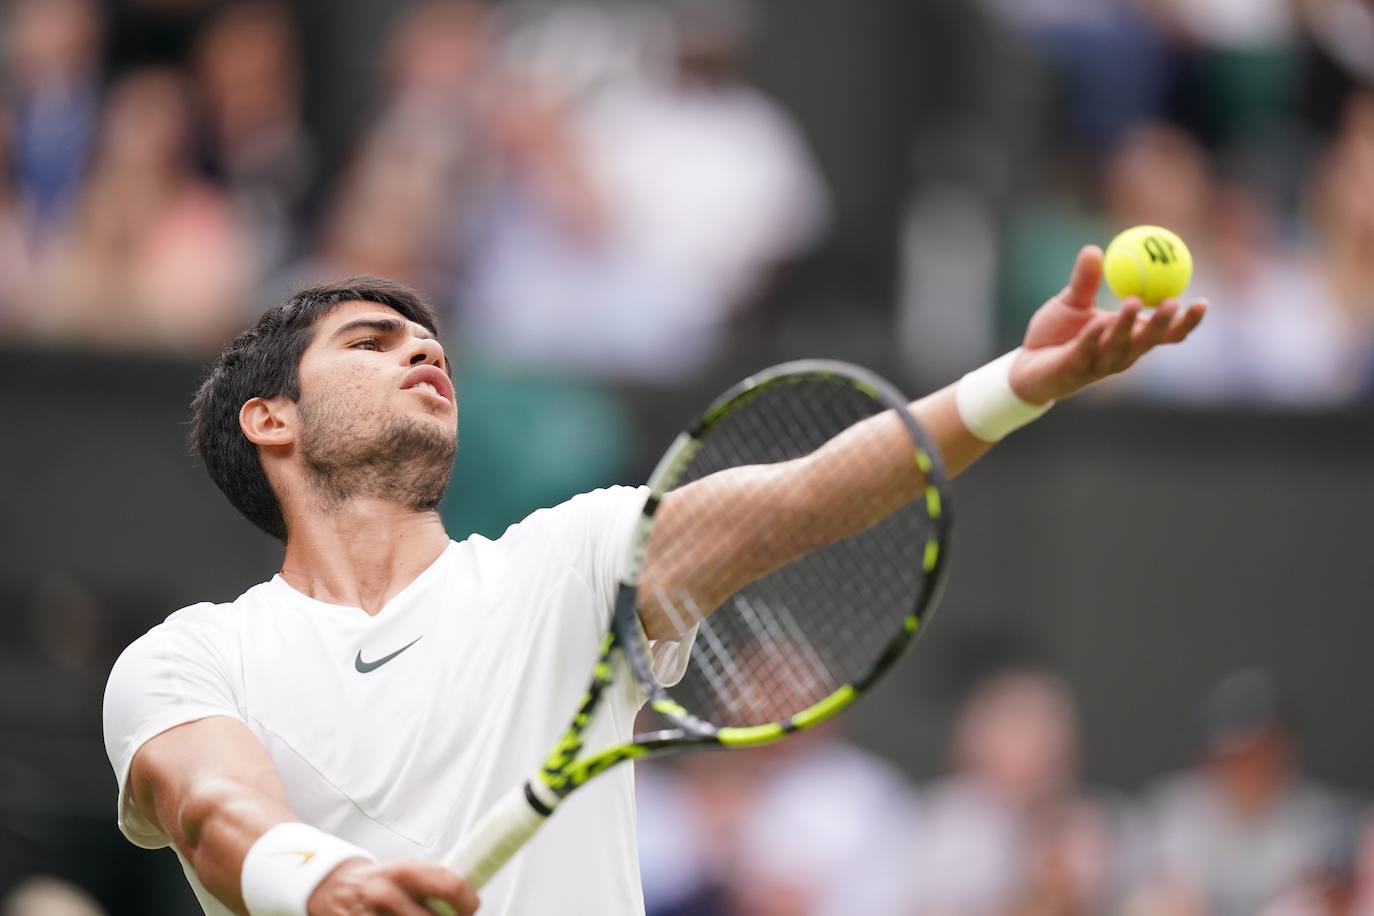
397, 731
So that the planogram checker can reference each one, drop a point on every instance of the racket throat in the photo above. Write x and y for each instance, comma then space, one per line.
542, 800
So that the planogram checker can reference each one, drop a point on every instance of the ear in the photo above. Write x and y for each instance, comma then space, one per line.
268, 421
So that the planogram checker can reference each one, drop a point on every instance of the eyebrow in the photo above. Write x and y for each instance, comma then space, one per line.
381, 326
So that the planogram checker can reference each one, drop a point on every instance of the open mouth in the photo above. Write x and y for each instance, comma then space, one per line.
431, 381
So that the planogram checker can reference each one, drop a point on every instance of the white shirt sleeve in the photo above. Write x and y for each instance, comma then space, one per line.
175, 673
604, 523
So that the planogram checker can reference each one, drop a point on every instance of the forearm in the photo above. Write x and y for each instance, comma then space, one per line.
215, 824
870, 470
874, 460
212, 788
782, 511
867, 472
249, 849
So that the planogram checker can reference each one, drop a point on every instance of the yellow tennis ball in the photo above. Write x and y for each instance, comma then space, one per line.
1149, 262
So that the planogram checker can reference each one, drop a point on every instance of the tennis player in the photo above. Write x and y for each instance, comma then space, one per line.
315, 745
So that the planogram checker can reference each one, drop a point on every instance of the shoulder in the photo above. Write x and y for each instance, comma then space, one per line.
199, 641
1321, 803
181, 670
170, 675
1182, 796
590, 510
205, 625
606, 500
587, 534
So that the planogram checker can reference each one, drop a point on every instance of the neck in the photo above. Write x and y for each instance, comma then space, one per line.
362, 553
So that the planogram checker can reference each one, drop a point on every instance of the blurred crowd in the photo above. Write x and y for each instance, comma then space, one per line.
598, 189
820, 827
511, 166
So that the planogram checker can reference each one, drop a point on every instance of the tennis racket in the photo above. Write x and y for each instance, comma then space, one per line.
825, 604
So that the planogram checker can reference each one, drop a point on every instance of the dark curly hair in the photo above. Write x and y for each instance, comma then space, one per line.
264, 362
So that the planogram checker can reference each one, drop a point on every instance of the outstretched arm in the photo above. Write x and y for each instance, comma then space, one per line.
778, 512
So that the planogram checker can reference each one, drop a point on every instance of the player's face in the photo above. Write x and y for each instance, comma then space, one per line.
377, 409
380, 362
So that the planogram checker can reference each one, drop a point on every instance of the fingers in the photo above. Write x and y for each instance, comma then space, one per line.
387, 899
433, 883
1085, 279
1087, 346
1116, 339
396, 889
1168, 324
1186, 321
430, 883
1149, 330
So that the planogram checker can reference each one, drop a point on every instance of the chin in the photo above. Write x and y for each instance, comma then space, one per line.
443, 429
416, 430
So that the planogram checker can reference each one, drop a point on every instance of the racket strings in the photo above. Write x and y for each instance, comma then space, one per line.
793, 636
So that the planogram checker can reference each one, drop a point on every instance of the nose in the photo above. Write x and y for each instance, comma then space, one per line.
426, 350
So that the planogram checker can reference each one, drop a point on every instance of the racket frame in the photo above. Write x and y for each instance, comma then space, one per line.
509, 825
691, 730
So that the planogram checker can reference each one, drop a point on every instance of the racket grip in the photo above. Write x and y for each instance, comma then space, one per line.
498, 835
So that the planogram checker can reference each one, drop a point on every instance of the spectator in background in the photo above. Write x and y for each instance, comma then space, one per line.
387, 216
153, 258
53, 63
700, 187
1341, 35
1069, 865
1237, 70
248, 72
1228, 838
1107, 62
691, 814
1342, 883
16, 249
1362, 902
1342, 214
1011, 831
419, 167
823, 835
42, 895
443, 81
810, 827
1161, 175
455, 132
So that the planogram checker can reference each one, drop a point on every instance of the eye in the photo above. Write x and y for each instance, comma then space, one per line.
367, 343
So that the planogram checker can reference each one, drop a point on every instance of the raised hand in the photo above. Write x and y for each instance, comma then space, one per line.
1070, 343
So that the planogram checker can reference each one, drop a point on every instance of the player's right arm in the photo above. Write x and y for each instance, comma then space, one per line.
211, 787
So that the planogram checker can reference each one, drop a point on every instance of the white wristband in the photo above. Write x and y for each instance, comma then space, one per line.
988, 406
286, 864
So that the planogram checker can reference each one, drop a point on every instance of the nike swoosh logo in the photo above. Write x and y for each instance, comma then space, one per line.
364, 667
